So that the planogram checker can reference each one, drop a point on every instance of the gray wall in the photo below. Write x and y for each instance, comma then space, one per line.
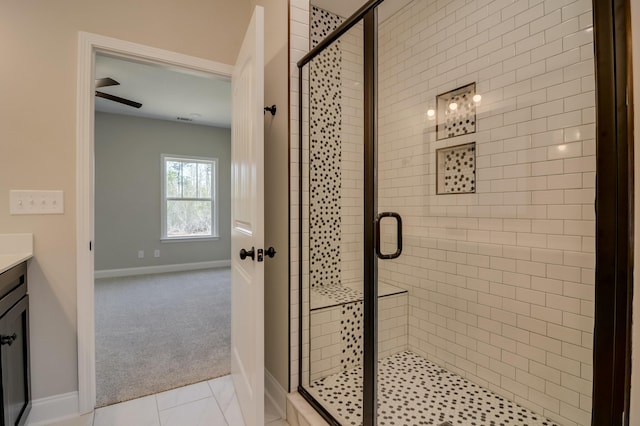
128, 191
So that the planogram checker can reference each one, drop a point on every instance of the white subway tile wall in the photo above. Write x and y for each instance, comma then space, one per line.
352, 185
501, 282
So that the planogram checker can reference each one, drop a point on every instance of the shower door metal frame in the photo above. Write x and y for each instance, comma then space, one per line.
368, 14
370, 306
614, 211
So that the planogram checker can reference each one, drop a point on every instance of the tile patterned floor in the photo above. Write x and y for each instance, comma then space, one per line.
414, 391
210, 403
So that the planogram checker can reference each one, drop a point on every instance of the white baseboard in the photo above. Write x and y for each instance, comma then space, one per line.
275, 393
160, 269
45, 411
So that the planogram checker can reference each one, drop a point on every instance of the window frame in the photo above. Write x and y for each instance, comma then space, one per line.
214, 196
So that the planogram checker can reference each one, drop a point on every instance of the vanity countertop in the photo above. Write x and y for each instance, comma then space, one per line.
14, 249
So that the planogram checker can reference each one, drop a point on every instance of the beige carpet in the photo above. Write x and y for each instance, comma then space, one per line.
158, 332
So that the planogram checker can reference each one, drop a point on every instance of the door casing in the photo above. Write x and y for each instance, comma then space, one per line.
88, 45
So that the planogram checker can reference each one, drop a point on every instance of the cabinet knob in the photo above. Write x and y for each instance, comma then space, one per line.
8, 340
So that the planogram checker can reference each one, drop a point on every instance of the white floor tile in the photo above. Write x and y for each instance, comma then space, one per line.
278, 422
204, 412
212, 403
270, 412
139, 412
183, 395
223, 391
86, 420
233, 414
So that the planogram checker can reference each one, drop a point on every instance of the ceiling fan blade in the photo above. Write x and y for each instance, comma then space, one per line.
118, 99
107, 81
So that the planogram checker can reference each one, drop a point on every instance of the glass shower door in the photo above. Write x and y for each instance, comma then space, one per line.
332, 314
486, 150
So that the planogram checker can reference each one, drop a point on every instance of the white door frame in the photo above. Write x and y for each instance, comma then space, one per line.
88, 45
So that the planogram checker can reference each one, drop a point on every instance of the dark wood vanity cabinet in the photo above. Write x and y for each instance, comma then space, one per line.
14, 346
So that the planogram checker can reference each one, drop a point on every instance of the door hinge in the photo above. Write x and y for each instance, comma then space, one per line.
90, 245
626, 96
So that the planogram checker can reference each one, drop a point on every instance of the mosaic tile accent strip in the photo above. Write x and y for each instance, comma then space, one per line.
413, 391
456, 113
322, 23
325, 153
351, 335
456, 169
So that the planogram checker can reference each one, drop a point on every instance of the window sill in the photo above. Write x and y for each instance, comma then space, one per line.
187, 239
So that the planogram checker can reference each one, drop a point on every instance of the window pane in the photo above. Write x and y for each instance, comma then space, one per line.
204, 180
173, 179
189, 176
188, 218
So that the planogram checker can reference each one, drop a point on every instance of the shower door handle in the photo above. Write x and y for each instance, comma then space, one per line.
398, 219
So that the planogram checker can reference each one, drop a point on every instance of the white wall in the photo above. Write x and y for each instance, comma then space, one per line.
128, 192
38, 42
635, 358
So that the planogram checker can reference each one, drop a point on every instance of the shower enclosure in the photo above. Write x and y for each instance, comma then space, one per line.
448, 159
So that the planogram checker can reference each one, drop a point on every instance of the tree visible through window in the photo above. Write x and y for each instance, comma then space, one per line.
189, 194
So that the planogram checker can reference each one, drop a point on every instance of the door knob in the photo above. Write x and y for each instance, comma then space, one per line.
244, 254
271, 252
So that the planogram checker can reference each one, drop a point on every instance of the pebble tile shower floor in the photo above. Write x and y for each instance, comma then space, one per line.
414, 391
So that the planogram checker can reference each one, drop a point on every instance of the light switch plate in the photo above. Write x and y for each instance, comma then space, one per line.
36, 202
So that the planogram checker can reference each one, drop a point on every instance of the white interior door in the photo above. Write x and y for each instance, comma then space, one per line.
247, 223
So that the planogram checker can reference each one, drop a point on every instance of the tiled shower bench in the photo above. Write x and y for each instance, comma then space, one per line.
336, 323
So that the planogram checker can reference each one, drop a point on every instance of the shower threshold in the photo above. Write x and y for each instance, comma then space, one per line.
414, 391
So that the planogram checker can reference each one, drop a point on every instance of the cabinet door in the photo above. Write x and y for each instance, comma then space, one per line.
14, 355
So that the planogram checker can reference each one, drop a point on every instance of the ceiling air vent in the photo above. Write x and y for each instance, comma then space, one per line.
184, 119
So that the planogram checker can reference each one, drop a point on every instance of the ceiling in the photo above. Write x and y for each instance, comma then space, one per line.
165, 93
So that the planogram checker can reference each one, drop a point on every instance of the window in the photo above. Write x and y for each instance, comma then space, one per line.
189, 193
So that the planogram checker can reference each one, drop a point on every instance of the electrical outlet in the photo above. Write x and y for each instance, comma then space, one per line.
36, 202
156, 253
140, 254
